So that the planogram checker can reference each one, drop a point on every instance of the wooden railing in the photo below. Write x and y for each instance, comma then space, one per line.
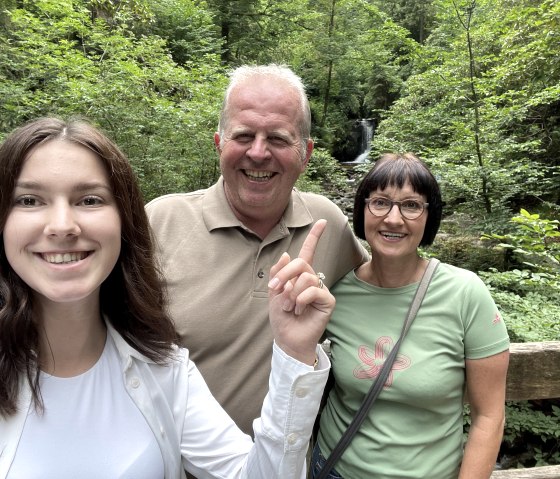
534, 373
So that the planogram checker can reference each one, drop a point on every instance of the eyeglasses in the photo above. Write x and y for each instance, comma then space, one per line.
410, 209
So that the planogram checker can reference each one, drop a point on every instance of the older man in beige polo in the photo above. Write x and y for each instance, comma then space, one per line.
217, 245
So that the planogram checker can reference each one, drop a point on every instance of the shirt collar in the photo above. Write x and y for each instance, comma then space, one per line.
217, 213
125, 350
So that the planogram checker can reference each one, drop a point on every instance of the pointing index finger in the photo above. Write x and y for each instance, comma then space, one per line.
307, 251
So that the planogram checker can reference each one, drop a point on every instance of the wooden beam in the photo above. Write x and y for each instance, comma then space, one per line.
534, 371
547, 472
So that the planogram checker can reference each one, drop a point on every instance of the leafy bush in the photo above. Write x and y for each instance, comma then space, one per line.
529, 300
465, 252
532, 434
533, 317
535, 243
323, 174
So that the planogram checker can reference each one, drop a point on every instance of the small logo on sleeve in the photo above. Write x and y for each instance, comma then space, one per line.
497, 319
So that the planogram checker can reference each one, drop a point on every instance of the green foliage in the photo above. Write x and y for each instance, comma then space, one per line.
489, 124
536, 242
416, 16
465, 252
529, 298
323, 174
533, 433
354, 67
189, 30
64, 59
530, 317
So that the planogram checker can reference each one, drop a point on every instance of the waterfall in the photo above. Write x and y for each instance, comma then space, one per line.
366, 135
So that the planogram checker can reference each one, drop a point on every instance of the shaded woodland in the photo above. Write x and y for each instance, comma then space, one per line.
472, 86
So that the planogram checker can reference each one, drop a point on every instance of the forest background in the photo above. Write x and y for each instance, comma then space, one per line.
472, 86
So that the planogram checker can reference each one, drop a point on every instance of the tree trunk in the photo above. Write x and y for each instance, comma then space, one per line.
329, 71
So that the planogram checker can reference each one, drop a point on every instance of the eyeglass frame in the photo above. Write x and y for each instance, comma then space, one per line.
393, 203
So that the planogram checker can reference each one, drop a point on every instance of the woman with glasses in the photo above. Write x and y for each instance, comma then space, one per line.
457, 342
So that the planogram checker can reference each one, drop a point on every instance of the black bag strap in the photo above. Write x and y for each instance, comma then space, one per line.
377, 386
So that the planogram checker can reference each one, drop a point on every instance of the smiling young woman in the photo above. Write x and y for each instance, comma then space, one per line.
93, 384
62, 236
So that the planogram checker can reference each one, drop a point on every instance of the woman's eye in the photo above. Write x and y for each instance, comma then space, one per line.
411, 205
91, 201
380, 203
27, 201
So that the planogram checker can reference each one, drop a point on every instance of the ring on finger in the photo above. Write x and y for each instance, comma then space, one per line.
321, 277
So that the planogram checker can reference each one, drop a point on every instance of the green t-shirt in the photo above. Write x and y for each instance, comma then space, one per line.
415, 427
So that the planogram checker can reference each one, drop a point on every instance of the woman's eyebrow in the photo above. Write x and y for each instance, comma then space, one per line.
79, 187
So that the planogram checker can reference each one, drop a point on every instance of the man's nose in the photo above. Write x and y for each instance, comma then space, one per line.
259, 148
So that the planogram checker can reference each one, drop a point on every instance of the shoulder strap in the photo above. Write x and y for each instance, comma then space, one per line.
377, 386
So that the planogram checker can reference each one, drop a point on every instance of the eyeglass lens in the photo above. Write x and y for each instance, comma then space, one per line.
410, 209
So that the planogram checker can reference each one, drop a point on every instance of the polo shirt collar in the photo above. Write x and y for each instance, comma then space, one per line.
217, 213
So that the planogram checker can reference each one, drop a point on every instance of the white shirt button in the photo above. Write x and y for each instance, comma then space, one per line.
301, 392
292, 438
134, 383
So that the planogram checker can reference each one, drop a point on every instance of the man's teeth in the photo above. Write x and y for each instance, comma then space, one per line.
256, 174
59, 258
393, 235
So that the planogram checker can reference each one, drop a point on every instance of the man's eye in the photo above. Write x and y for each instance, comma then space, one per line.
278, 140
243, 137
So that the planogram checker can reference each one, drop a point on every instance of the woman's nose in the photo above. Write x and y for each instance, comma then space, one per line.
62, 221
394, 214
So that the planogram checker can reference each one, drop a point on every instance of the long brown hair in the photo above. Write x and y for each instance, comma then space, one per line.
132, 297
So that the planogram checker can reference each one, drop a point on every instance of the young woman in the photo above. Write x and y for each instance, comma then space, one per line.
92, 383
458, 340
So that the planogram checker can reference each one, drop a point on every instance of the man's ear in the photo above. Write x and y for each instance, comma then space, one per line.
217, 141
308, 151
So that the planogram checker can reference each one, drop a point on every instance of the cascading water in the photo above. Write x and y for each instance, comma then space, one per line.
366, 130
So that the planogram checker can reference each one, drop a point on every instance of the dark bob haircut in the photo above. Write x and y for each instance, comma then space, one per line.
396, 169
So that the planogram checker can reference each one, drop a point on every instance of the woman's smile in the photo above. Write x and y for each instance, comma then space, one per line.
64, 215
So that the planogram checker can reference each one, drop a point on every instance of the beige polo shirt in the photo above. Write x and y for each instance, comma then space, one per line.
217, 274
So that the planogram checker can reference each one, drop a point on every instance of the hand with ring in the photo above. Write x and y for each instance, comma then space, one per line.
300, 303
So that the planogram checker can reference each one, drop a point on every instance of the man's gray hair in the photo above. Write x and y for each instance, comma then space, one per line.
278, 73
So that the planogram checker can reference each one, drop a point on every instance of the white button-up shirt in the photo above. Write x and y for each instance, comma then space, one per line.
192, 429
